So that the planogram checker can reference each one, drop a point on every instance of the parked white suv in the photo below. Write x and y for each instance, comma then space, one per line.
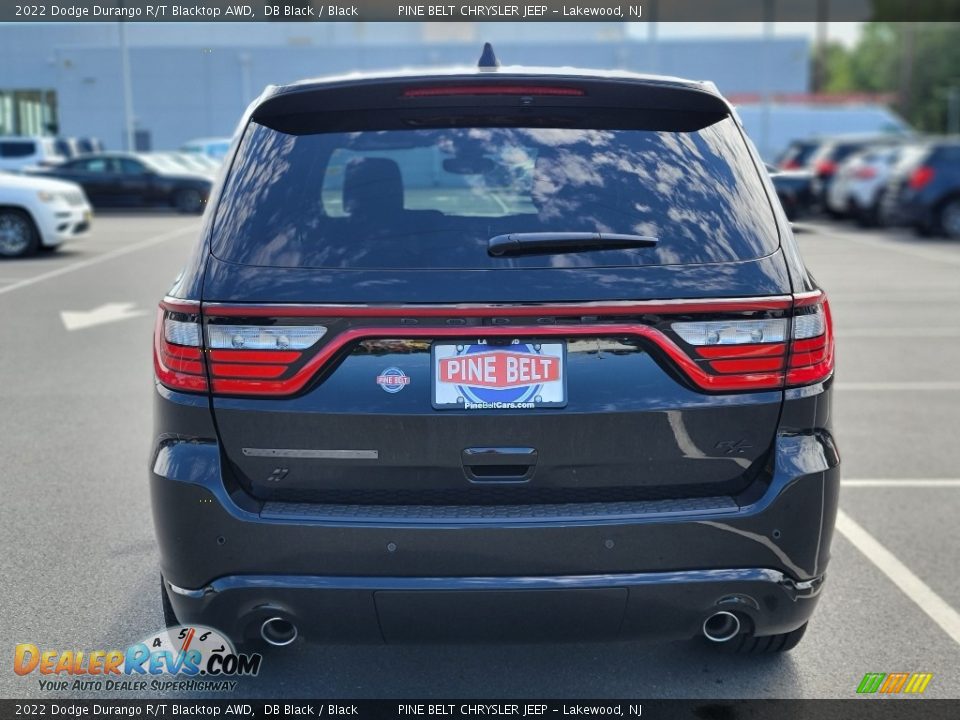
17, 153
859, 182
39, 213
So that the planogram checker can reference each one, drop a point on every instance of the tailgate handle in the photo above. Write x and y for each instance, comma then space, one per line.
493, 464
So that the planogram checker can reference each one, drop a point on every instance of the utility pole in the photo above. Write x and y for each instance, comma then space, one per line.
127, 89
769, 14
652, 36
820, 47
906, 68
953, 109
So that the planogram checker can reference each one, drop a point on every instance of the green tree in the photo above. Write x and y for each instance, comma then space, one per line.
919, 62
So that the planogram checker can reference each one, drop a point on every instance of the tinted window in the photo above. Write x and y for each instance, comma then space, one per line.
432, 198
132, 167
93, 165
17, 148
842, 152
62, 147
947, 154
798, 154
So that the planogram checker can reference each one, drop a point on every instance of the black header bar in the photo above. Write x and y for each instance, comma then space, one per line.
184, 709
488, 11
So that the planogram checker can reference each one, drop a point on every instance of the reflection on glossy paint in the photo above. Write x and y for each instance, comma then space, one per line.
387, 200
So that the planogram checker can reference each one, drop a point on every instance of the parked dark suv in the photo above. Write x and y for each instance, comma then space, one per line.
495, 354
924, 189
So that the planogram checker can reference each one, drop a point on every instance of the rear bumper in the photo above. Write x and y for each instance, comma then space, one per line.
912, 209
653, 569
665, 606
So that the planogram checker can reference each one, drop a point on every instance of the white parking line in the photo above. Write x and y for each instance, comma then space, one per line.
149, 242
902, 482
924, 253
897, 386
913, 587
901, 295
895, 332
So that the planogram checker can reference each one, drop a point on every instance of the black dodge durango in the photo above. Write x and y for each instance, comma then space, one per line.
494, 354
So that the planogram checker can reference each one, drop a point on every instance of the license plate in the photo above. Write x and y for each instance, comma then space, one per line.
519, 375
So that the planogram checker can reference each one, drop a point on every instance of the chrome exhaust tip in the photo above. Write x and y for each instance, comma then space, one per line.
721, 626
278, 631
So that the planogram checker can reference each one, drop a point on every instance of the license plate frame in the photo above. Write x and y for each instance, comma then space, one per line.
510, 363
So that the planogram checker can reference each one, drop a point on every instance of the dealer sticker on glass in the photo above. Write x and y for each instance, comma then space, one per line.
520, 375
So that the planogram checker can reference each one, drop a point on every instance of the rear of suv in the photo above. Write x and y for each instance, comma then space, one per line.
924, 189
494, 354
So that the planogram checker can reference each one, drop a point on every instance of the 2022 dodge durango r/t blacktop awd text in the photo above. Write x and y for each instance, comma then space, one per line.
511, 354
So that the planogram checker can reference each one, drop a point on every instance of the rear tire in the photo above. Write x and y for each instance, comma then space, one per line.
169, 616
870, 216
18, 234
189, 202
949, 219
765, 644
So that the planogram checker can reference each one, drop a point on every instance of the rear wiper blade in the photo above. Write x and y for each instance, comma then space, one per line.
542, 243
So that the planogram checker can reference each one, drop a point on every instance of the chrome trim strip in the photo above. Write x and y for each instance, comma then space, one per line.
325, 582
313, 454
189, 593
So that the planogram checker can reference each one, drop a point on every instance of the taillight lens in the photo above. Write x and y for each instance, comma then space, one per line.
738, 354
865, 173
756, 354
811, 347
254, 337
255, 359
921, 177
231, 353
826, 167
239, 359
734, 332
453, 90
178, 351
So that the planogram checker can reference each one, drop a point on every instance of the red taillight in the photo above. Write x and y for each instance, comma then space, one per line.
865, 173
825, 168
921, 177
177, 349
448, 90
258, 359
764, 344
790, 165
747, 366
811, 347
756, 354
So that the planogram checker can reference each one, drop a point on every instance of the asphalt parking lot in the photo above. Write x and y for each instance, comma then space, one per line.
80, 567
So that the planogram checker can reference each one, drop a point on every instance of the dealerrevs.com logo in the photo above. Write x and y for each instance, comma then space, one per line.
894, 683
180, 658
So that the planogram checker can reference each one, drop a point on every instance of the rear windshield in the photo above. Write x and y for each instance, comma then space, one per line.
432, 198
